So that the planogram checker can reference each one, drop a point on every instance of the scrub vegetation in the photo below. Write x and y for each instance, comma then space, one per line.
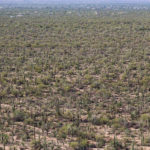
75, 78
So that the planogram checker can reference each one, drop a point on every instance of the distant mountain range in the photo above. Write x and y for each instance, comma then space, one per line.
71, 1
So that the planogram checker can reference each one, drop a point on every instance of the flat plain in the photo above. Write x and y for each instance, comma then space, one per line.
75, 78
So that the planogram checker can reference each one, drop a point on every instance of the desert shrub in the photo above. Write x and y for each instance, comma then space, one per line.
15, 92
21, 81
3, 94
87, 79
67, 87
36, 91
134, 115
64, 131
96, 85
4, 138
81, 144
38, 69
145, 141
46, 80
145, 118
102, 120
19, 116
145, 81
3, 80
132, 66
41, 86
117, 123
3, 74
29, 121
25, 136
87, 135
68, 129
105, 93
74, 145
69, 115
100, 141
116, 144
36, 145
70, 72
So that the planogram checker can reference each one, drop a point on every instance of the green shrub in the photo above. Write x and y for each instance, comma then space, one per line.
19, 116
145, 117
100, 120
4, 138
81, 144
87, 135
3, 94
100, 141
29, 121
146, 141
64, 131
36, 145
15, 92
38, 69
67, 88
74, 145
96, 85
117, 123
69, 115
116, 144
87, 79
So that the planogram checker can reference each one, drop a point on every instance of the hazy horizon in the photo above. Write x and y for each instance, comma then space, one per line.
70, 1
